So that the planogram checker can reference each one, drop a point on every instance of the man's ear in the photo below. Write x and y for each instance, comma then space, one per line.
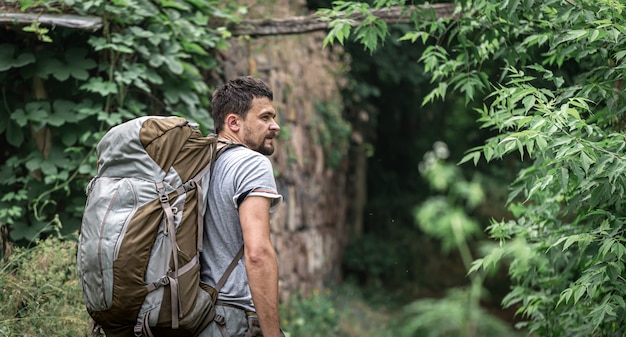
232, 122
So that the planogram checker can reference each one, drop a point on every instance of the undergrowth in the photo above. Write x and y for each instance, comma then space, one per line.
39, 292
342, 311
40, 295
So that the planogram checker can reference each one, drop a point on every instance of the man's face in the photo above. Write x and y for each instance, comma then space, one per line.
259, 127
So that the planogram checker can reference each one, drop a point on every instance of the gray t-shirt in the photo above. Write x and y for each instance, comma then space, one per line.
237, 171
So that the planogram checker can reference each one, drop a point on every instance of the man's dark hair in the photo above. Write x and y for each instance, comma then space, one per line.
235, 96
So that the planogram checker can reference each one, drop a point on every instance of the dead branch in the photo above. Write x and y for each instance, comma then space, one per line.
91, 23
311, 23
253, 28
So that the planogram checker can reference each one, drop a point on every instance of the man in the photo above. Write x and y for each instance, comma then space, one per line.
241, 196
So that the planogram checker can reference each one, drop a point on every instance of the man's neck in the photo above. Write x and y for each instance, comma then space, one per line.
228, 138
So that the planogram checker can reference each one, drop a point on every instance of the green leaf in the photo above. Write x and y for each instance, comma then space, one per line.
579, 291
585, 161
47, 65
37, 112
8, 61
619, 249
19, 117
571, 35
605, 248
576, 238
528, 102
34, 163
620, 55
140, 32
78, 63
475, 156
596, 35
63, 112
340, 30
15, 136
476, 266
566, 295
98, 85
174, 65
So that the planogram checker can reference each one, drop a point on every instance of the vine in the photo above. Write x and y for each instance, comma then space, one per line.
333, 133
62, 89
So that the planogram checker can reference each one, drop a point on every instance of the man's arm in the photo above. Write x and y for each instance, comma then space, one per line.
261, 262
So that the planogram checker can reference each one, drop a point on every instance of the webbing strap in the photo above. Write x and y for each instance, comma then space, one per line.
221, 325
146, 325
199, 210
187, 267
229, 270
175, 302
96, 330
142, 328
165, 279
170, 229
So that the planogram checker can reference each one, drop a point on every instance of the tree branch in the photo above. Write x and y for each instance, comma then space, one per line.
91, 23
253, 28
311, 23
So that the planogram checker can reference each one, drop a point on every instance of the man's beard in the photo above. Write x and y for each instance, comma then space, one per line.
259, 146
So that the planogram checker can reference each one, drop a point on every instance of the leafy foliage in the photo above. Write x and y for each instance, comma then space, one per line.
310, 315
446, 216
453, 316
557, 103
344, 310
60, 94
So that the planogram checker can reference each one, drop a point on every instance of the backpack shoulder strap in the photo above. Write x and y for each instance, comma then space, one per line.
229, 144
229, 270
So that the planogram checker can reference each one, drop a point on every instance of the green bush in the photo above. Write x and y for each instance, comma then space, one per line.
455, 315
343, 311
311, 315
40, 294
558, 104
61, 89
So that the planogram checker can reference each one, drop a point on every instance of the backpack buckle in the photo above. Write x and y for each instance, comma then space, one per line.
190, 185
219, 319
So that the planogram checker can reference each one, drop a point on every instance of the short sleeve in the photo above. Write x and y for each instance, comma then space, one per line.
256, 178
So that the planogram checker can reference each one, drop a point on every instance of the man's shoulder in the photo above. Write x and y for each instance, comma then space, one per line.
243, 158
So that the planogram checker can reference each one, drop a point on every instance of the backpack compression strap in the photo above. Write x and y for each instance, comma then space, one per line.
172, 278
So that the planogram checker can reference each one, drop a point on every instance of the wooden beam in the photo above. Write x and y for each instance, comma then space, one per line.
311, 23
91, 23
252, 28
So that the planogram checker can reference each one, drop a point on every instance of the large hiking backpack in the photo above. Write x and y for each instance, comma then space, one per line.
142, 230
